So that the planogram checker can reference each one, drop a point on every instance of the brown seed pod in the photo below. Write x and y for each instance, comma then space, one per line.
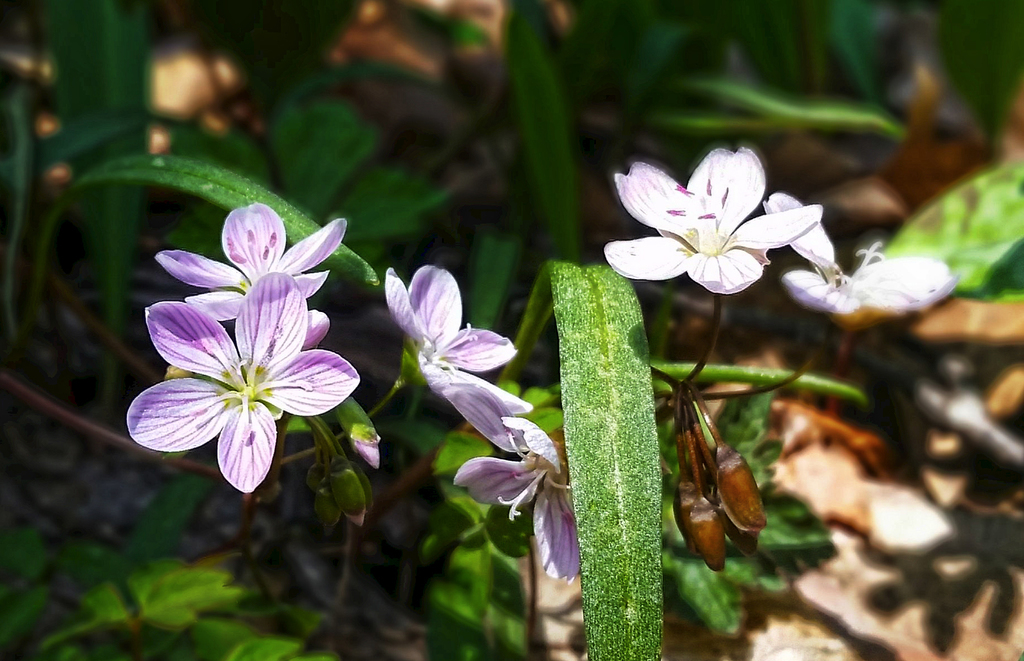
708, 534
686, 496
738, 490
746, 542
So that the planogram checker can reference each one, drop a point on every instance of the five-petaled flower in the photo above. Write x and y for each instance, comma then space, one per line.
893, 286
237, 393
701, 226
254, 241
539, 475
430, 313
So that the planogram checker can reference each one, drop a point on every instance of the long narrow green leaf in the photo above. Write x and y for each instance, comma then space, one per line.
543, 119
535, 319
212, 183
767, 376
19, 130
614, 463
493, 262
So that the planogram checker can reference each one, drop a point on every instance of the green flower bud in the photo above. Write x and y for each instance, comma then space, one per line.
348, 490
326, 508
315, 476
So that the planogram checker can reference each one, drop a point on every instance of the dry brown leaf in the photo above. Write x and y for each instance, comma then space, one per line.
1005, 395
946, 489
866, 202
800, 425
186, 81
965, 320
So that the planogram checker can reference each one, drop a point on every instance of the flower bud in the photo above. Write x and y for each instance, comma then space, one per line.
738, 490
326, 508
708, 534
176, 373
349, 492
686, 496
746, 542
360, 429
315, 476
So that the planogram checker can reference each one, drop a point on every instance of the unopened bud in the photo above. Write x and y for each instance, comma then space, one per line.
746, 542
738, 491
315, 476
348, 489
326, 508
360, 429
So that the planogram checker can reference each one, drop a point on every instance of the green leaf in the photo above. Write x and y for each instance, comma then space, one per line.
19, 612
766, 376
510, 536
1005, 280
90, 563
967, 227
507, 612
614, 463
386, 204
791, 525
458, 448
984, 55
318, 148
493, 264
652, 61
855, 44
455, 630
531, 326
81, 135
787, 40
101, 608
548, 139
175, 598
448, 522
161, 525
715, 599
470, 568
233, 150
743, 423
215, 637
265, 649
23, 552
771, 111
420, 434
18, 179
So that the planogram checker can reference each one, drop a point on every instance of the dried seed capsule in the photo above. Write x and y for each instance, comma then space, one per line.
686, 496
326, 508
738, 491
746, 542
315, 476
708, 534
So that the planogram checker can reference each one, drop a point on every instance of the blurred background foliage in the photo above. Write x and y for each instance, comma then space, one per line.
473, 133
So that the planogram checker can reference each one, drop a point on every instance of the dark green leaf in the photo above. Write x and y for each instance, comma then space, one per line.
654, 57
81, 135
855, 43
531, 326
386, 204
19, 612
161, 525
715, 599
448, 522
215, 637
470, 568
984, 55
787, 40
791, 525
614, 464
1005, 280
421, 435
299, 622
547, 418
507, 613
23, 552
493, 264
101, 608
458, 448
510, 536
233, 150
18, 180
967, 227
548, 140
455, 630
91, 563
265, 649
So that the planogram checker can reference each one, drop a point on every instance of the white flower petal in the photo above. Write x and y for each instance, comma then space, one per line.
253, 239
902, 284
728, 273
314, 249
198, 271
812, 291
777, 229
650, 258
221, 305
246, 447
401, 307
272, 323
436, 300
177, 415
191, 340
534, 439
815, 246
313, 382
656, 199
483, 410
555, 527
497, 481
479, 350
732, 183
317, 329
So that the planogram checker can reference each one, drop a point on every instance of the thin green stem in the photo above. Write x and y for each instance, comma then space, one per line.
716, 324
399, 383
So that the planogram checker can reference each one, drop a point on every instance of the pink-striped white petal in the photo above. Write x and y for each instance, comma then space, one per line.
777, 229
310, 283
316, 330
254, 239
656, 199
177, 415
814, 246
436, 300
313, 382
400, 307
497, 481
812, 291
479, 350
728, 273
368, 450
272, 323
650, 258
191, 340
732, 184
199, 271
439, 378
902, 284
483, 410
314, 249
246, 447
533, 439
555, 528
221, 305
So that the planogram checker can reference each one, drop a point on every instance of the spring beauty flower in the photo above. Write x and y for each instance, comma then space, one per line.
890, 286
254, 242
237, 393
539, 475
702, 229
430, 313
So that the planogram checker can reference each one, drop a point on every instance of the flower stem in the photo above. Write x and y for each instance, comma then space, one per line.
399, 383
296, 456
716, 324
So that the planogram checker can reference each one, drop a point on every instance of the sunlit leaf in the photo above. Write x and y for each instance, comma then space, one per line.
458, 448
101, 608
614, 465
265, 649
509, 535
215, 637
448, 522
714, 598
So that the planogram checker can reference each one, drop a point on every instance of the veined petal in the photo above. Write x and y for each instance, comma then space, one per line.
314, 382
497, 481
177, 415
812, 291
369, 451
483, 410
534, 439
310, 283
439, 378
555, 527
246, 446
815, 245
650, 258
401, 308
775, 230
191, 340
272, 323
728, 273
316, 330
656, 199
199, 271
314, 249
253, 239
435, 298
902, 284
479, 350
221, 305
732, 184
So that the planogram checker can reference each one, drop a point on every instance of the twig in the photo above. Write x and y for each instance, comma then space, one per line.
66, 416
295, 456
